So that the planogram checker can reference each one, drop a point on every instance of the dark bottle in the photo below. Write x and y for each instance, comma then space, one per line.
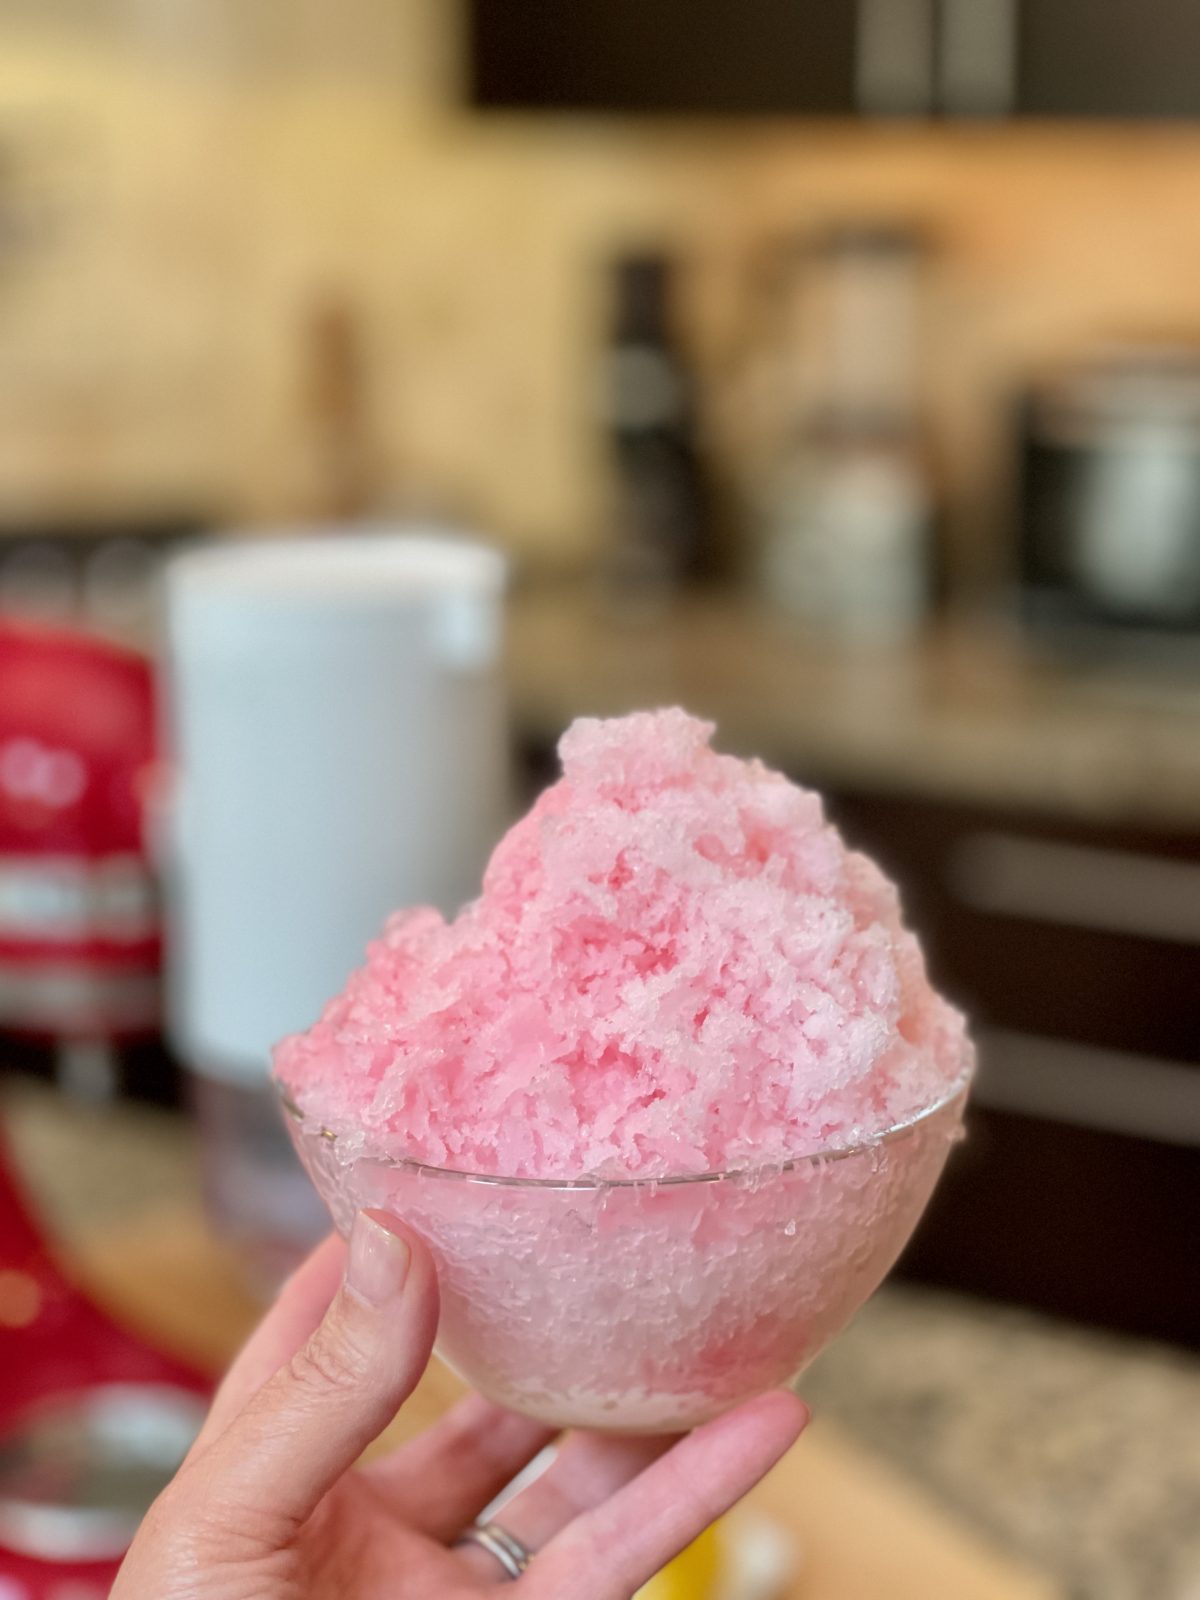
660, 509
337, 461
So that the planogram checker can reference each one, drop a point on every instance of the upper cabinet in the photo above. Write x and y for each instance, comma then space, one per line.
665, 55
968, 58
1109, 58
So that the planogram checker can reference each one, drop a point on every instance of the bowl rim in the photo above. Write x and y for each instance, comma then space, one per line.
955, 1095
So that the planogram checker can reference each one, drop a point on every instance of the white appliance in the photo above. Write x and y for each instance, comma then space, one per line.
336, 717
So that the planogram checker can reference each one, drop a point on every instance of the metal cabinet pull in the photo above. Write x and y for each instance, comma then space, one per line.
1143, 1097
1077, 886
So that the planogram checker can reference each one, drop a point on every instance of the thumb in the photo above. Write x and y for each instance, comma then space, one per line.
309, 1423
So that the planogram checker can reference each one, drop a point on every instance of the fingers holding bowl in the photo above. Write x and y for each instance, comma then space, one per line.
608, 1513
584, 1473
309, 1422
611, 1550
441, 1481
287, 1326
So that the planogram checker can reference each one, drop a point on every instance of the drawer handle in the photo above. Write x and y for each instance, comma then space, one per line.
1077, 886
1143, 1097
893, 67
977, 56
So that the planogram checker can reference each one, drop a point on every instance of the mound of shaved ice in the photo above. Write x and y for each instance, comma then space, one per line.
675, 966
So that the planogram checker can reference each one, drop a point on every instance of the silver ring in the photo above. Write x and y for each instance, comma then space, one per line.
501, 1545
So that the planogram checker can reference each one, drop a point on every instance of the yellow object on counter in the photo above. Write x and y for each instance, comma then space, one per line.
693, 1575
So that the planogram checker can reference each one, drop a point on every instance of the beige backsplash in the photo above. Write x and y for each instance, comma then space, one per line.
151, 345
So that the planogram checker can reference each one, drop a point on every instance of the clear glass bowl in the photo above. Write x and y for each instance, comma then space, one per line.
646, 1305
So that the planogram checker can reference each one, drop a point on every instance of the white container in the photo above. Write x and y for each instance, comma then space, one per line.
336, 717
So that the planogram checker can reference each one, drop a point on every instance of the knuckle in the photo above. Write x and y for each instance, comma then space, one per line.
242, 1532
331, 1362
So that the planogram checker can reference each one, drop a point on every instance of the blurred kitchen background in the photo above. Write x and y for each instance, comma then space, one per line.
831, 369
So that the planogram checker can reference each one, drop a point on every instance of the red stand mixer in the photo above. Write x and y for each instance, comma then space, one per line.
92, 1420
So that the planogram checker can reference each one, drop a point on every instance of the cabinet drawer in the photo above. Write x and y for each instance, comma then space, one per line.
1075, 1221
1096, 989
1058, 933
1076, 953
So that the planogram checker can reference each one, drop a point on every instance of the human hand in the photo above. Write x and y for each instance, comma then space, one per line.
270, 1506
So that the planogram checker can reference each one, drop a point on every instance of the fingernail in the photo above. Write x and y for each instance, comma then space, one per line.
378, 1259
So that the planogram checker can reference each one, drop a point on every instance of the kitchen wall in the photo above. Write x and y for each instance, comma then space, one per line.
174, 200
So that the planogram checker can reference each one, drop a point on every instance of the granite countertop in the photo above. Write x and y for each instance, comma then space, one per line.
1076, 1450
968, 714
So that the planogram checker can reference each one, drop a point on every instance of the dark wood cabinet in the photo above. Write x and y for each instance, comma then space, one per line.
1080, 1222
992, 58
664, 55
1108, 58
1075, 950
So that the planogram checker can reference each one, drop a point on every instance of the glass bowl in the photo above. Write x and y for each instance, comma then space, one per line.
642, 1305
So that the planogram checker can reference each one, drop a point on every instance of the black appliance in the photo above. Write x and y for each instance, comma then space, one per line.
1108, 507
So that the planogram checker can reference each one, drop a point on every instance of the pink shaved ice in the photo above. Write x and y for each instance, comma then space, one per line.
675, 966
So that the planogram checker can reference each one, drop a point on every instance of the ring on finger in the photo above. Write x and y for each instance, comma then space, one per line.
504, 1547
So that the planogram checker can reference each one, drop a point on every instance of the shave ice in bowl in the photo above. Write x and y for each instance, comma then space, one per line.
665, 1101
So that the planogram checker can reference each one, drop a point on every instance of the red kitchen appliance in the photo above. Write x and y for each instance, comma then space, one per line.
93, 1422
80, 944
